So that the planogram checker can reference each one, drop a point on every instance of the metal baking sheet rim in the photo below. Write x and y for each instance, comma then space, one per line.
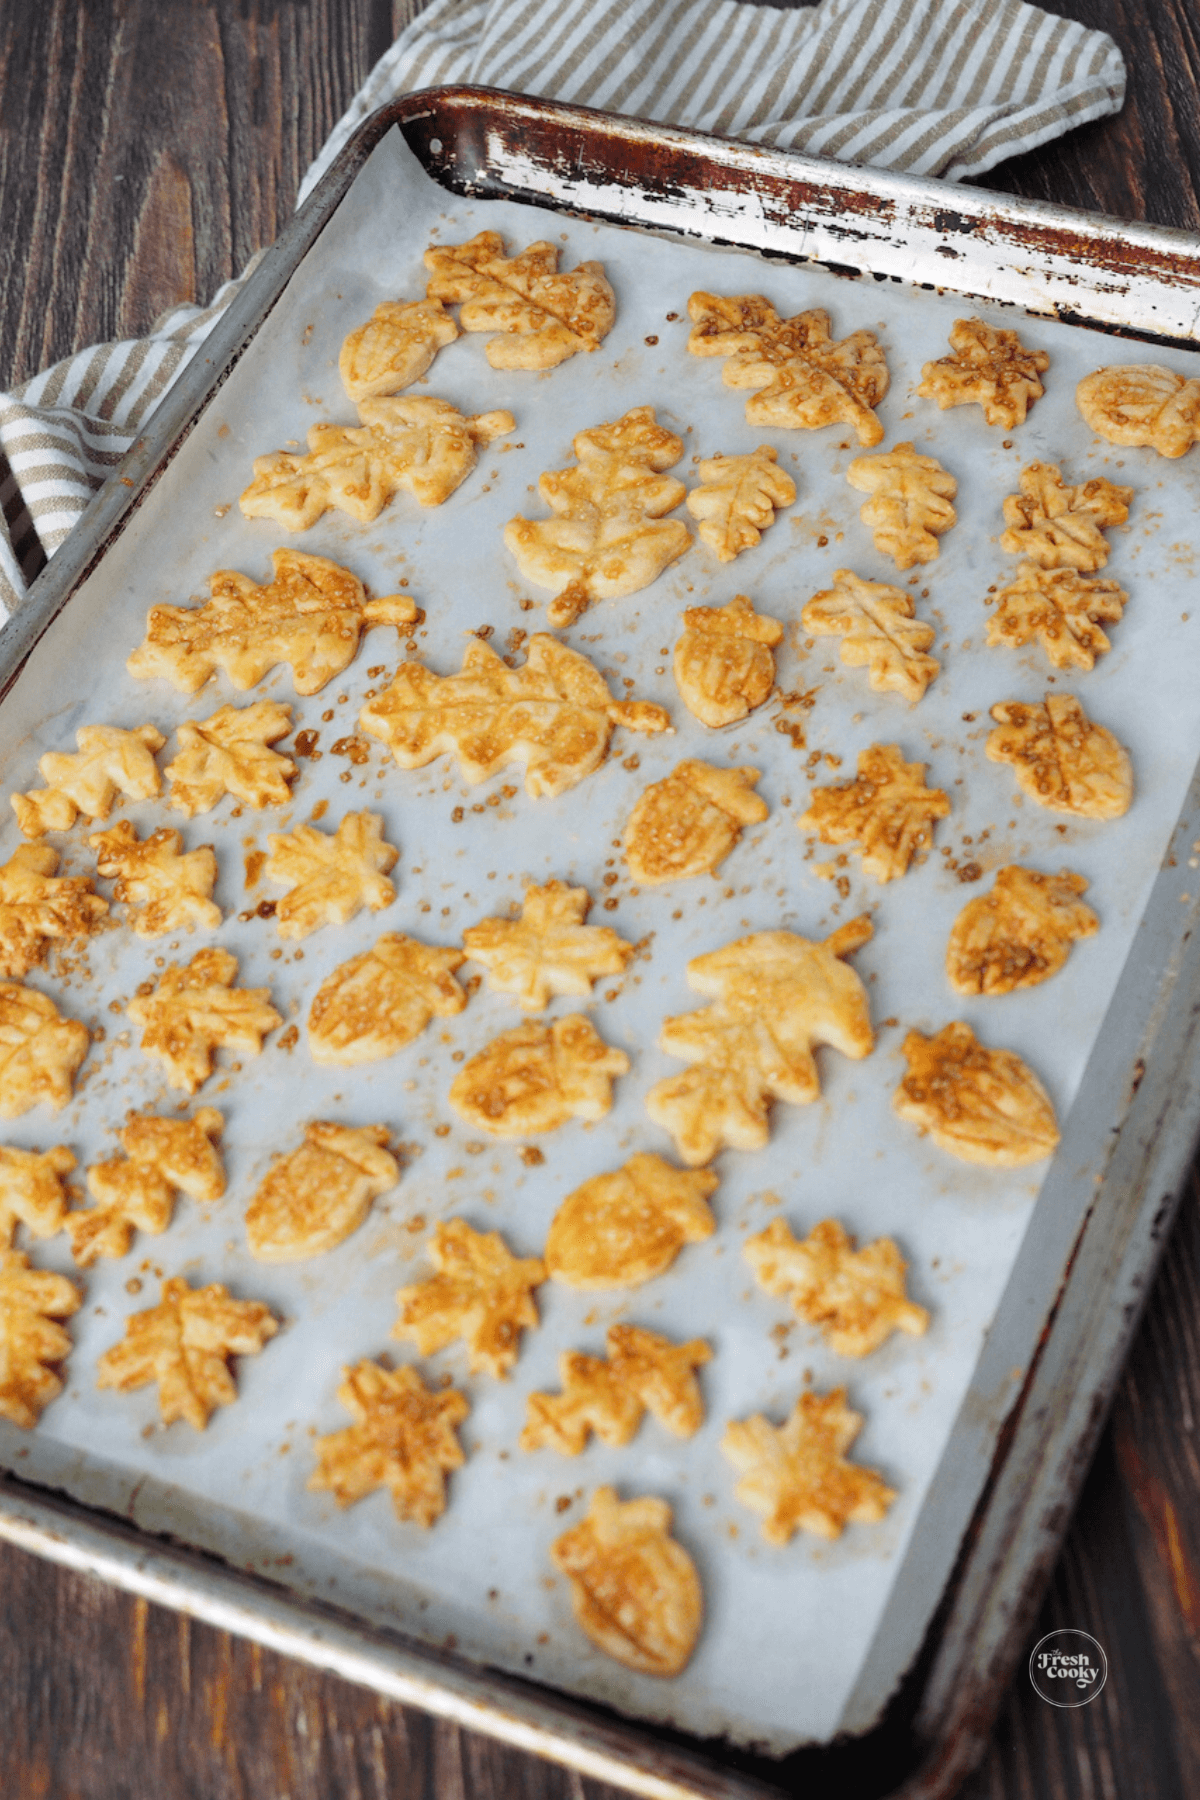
1136, 279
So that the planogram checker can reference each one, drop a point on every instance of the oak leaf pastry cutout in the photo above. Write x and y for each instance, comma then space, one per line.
1060, 610
370, 1007
136, 1192
1142, 404
549, 950
394, 347
634, 1590
887, 810
1060, 758
230, 753
333, 875
542, 314
879, 630
989, 368
38, 908
185, 1344
775, 997
31, 1340
805, 379
32, 1191
403, 1439
312, 1199
1059, 527
738, 498
687, 823
109, 762
170, 889
194, 1009
642, 1373
857, 1297
311, 615
481, 1293
910, 506
982, 1106
796, 1475
555, 714
608, 536
624, 1227
723, 663
40, 1051
420, 445
537, 1077
1018, 935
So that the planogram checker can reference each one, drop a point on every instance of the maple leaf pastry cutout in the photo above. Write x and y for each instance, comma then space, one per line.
194, 1009
373, 1005
136, 1192
1060, 758
857, 1297
796, 1475
624, 1227
538, 1077
404, 1438
911, 502
879, 631
185, 1345
805, 380
687, 823
775, 997
1056, 526
230, 753
312, 1199
554, 713
1142, 404
1020, 934
32, 1341
33, 1192
311, 615
982, 1106
40, 1051
549, 950
394, 347
643, 1372
608, 536
333, 875
988, 367
481, 1293
110, 761
738, 498
723, 664
1059, 609
887, 810
634, 1590
170, 889
542, 315
39, 908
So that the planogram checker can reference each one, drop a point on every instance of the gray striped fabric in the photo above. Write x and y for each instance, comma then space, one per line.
937, 87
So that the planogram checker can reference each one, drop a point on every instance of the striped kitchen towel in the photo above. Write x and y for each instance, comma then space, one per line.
936, 87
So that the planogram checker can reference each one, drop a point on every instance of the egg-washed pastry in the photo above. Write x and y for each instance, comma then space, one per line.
38, 908
110, 761
230, 753
541, 314
1059, 527
738, 498
775, 997
166, 888
634, 1589
40, 1051
687, 823
549, 950
370, 1007
643, 1372
887, 810
185, 1345
982, 1106
1020, 934
857, 1297
555, 714
136, 1192
404, 1438
624, 1227
195, 1009
394, 347
1058, 609
723, 662
1142, 404
537, 1077
911, 502
879, 631
796, 1475
32, 1342
481, 1293
608, 536
805, 379
313, 1198
33, 1192
333, 875
1060, 758
990, 368
418, 445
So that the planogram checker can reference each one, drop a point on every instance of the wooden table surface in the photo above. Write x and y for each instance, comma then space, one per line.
147, 147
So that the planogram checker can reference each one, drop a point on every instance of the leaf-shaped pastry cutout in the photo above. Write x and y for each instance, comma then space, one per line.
1061, 758
312, 1199
857, 1297
373, 1005
537, 1077
185, 1345
990, 368
39, 908
1059, 610
333, 875
628, 1225
394, 347
878, 629
549, 950
171, 889
33, 1192
887, 810
32, 1342
1018, 935
110, 761
1057, 526
1142, 403
980, 1105
543, 314
738, 498
481, 1293
194, 1009
796, 1475
643, 1372
910, 505
229, 754
403, 1439
40, 1051
136, 1192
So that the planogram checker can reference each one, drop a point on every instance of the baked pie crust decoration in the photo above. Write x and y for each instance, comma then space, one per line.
634, 1590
